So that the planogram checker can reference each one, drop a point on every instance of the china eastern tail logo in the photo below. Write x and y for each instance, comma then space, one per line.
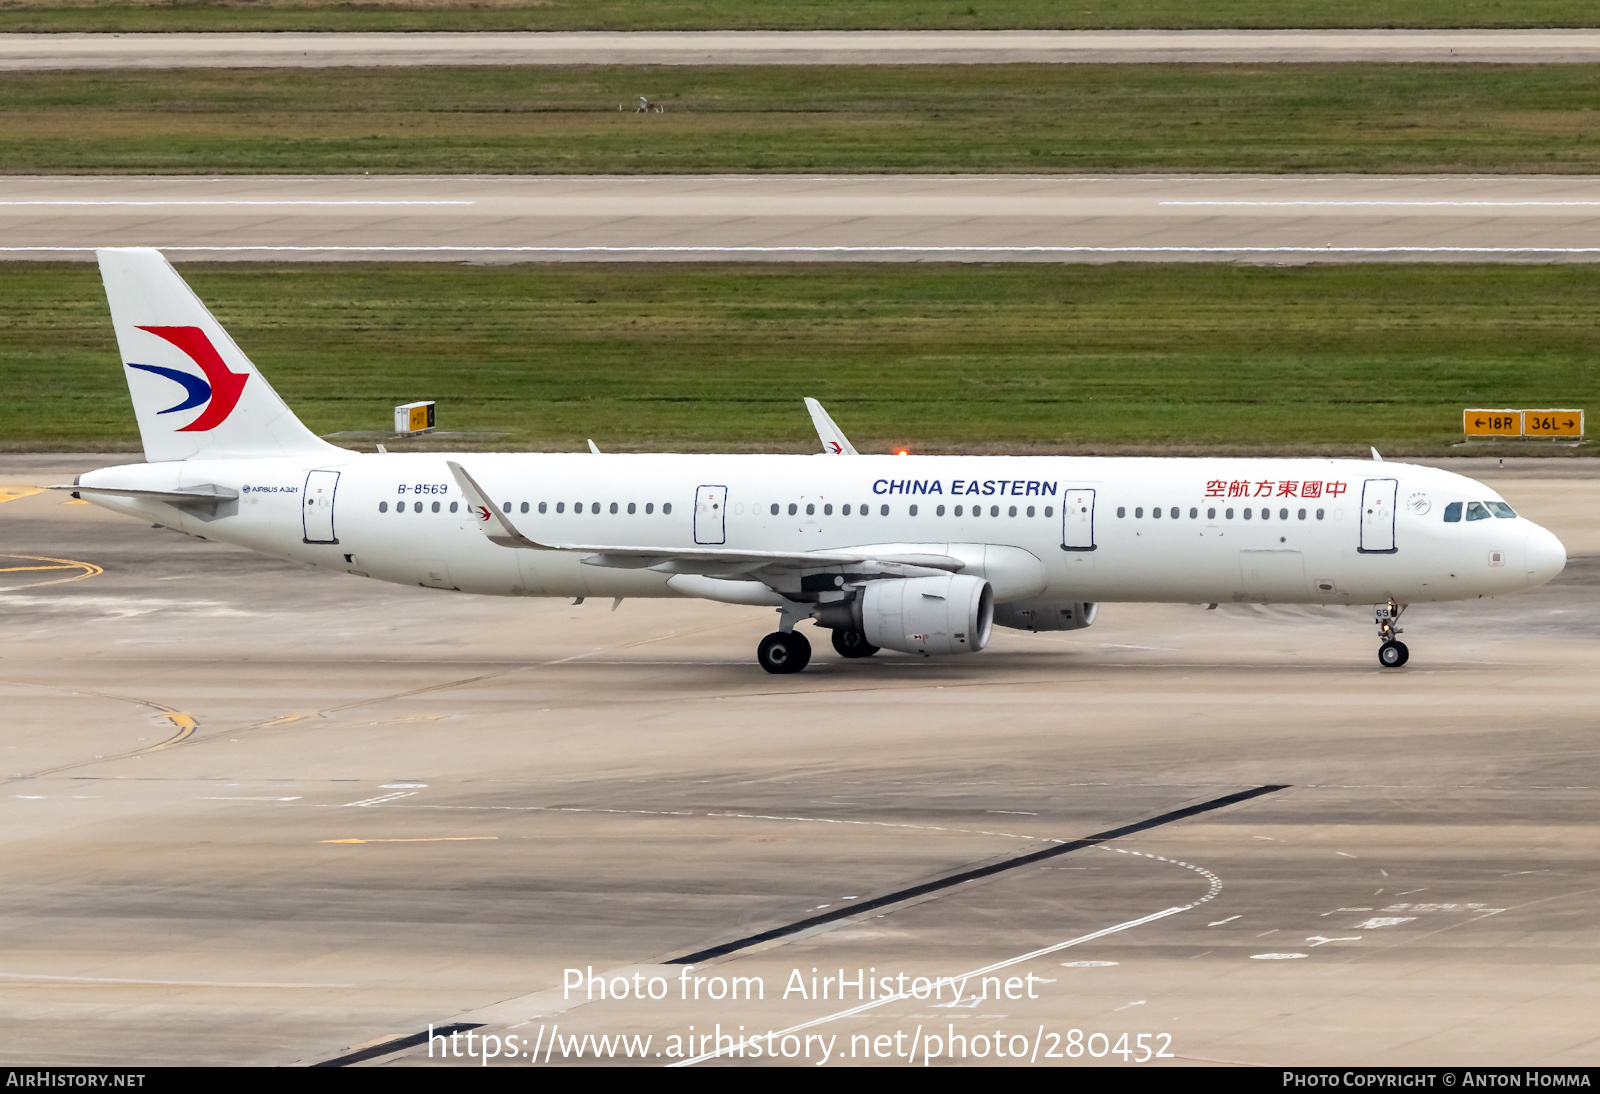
218, 391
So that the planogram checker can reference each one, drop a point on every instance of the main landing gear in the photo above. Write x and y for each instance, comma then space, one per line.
852, 644
1392, 653
783, 652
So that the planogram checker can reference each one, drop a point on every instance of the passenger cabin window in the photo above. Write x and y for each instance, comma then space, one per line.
613, 507
649, 507
543, 506
811, 510
958, 510
632, 508
1301, 515
939, 512
1030, 510
1476, 510
1320, 512
1452, 513
1501, 509
666, 508
1229, 514
1013, 511
1049, 511
1138, 511
1211, 514
383, 507
845, 511
827, 510
1194, 514
883, 510
1155, 514
435, 507
913, 510
1122, 510
793, 508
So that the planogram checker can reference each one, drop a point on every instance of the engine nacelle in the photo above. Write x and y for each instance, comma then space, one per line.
1039, 615
952, 613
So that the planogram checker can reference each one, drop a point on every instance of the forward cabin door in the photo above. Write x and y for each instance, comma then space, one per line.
1377, 516
711, 515
1077, 520
316, 510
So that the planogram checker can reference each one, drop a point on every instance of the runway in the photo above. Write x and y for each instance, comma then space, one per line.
811, 218
257, 814
88, 51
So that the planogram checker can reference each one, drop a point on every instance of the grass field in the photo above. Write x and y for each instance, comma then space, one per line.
1376, 118
1020, 358
99, 15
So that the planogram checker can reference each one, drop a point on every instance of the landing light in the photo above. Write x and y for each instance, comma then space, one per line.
902, 452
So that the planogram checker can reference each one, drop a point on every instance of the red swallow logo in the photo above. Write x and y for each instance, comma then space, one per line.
837, 451
225, 386
483, 512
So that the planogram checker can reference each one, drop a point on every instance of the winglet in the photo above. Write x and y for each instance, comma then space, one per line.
497, 524
834, 442
1376, 458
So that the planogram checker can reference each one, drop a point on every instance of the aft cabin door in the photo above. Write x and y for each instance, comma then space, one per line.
1077, 520
316, 509
711, 515
1377, 516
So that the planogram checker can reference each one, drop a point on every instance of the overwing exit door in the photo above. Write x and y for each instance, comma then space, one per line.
316, 506
711, 515
1077, 520
1377, 516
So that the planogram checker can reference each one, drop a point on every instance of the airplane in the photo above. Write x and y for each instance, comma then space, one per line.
920, 554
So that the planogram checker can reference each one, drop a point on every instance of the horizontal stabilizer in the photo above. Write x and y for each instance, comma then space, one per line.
204, 494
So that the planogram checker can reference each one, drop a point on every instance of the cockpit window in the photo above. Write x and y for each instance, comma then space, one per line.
1476, 510
1501, 509
1452, 512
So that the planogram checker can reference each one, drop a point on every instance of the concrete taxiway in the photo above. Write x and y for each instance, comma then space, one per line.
256, 813
820, 218
315, 50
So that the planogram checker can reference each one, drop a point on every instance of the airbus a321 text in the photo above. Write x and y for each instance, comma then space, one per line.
921, 554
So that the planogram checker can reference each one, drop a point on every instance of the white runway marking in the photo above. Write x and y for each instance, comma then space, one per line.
163, 204
839, 250
1393, 203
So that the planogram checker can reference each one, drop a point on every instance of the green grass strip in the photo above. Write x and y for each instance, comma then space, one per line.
1015, 358
241, 15
1021, 118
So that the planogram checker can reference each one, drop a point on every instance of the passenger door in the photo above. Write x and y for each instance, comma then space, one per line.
711, 515
1377, 516
1077, 520
316, 509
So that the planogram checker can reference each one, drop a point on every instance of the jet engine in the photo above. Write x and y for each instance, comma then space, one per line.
951, 613
1037, 615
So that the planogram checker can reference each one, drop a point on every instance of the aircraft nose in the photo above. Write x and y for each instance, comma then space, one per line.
1545, 554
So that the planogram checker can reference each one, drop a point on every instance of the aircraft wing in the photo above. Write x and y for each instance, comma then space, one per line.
500, 529
834, 442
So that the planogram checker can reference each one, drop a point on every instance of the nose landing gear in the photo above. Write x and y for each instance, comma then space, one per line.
1392, 653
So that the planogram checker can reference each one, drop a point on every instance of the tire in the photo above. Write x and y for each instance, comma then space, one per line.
1392, 654
852, 644
782, 654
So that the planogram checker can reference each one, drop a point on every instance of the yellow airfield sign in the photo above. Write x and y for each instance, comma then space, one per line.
1492, 423
1552, 423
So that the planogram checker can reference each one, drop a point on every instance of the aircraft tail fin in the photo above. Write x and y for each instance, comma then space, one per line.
195, 393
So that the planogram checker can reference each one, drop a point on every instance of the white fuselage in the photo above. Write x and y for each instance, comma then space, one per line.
1336, 531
